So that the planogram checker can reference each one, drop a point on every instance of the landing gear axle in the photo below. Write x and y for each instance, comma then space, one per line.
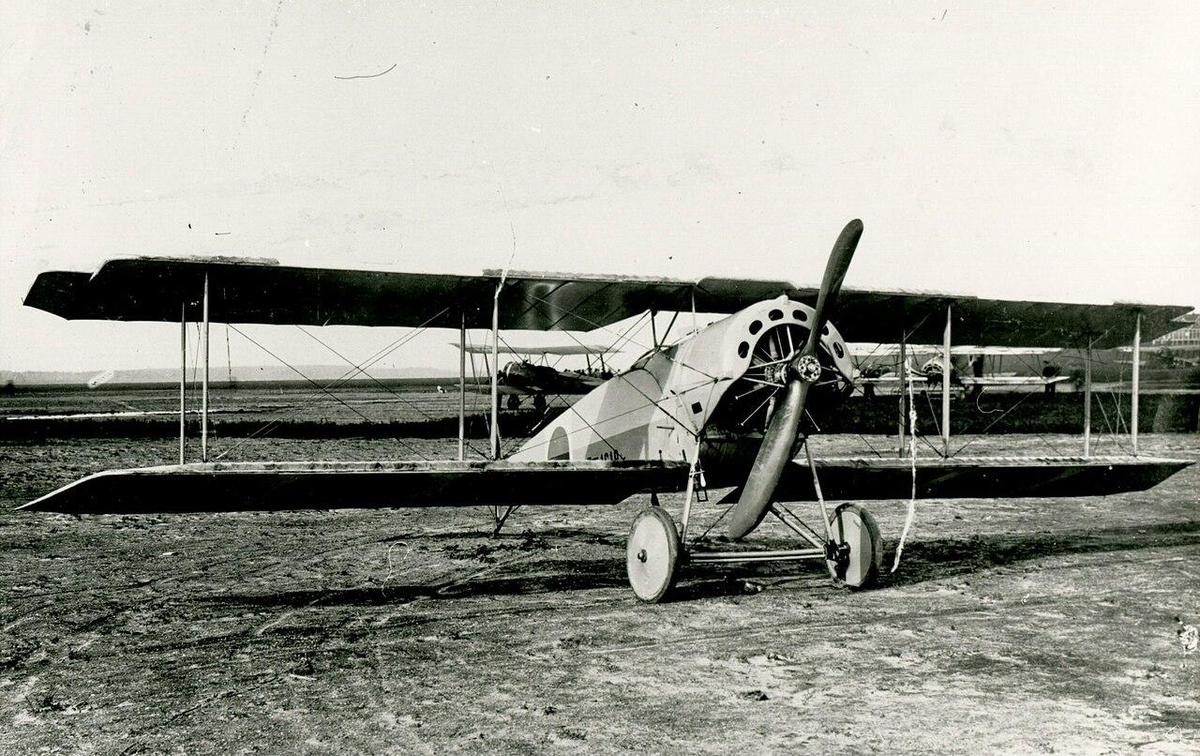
654, 553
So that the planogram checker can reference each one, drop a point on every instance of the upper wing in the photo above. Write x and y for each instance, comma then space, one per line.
533, 351
932, 350
1012, 380
256, 291
263, 291
879, 316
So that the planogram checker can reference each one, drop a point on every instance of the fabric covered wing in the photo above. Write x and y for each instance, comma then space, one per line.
257, 291
271, 486
976, 477
579, 348
250, 291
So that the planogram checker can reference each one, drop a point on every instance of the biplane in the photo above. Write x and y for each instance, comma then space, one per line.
539, 379
930, 373
726, 405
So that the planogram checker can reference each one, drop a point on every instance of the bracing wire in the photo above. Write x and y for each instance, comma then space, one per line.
375, 380
315, 396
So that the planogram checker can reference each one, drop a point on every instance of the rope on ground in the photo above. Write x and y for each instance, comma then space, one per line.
912, 456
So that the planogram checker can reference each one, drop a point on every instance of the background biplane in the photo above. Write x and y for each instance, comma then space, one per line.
971, 367
723, 406
539, 379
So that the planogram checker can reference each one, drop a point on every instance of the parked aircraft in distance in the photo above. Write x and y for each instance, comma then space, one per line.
525, 377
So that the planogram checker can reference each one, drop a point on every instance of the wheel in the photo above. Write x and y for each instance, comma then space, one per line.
514, 401
539, 402
652, 555
859, 555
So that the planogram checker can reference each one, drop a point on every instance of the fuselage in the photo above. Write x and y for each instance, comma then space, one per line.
660, 408
543, 379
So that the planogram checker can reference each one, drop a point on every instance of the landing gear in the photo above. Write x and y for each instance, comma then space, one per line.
852, 550
847, 540
513, 401
652, 555
854, 553
539, 402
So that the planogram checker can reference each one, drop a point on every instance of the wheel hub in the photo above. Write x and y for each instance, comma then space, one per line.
839, 555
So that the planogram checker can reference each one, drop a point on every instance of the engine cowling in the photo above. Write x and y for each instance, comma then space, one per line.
657, 408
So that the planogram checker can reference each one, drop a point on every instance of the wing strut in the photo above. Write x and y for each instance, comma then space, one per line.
1087, 401
204, 384
182, 377
462, 387
1137, 370
902, 369
495, 435
947, 366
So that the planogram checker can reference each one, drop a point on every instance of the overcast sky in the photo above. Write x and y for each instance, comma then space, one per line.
1025, 151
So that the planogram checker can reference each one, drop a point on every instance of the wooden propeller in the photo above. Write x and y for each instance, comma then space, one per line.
802, 372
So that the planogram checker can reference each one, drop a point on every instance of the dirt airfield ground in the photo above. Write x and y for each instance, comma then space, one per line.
1011, 626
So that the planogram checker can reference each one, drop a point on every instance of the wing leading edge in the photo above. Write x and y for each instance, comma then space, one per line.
277, 486
976, 477
257, 291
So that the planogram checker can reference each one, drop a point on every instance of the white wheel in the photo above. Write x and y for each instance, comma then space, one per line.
859, 546
652, 554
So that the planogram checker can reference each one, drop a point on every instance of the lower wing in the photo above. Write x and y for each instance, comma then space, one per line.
857, 478
269, 486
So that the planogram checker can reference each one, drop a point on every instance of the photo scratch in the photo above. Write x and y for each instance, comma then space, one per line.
367, 76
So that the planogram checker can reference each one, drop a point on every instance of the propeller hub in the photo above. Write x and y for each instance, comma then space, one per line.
779, 438
807, 368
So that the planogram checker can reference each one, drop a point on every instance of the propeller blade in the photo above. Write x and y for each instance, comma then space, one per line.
776, 449
831, 284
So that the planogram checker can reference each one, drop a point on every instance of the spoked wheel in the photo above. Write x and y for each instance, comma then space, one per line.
652, 555
858, 547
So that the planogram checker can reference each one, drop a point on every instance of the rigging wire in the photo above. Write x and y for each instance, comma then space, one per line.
301, 373
932, 411
377, 382
597, 326
691, 431
983, 433
315, 396
869, 446
518, 441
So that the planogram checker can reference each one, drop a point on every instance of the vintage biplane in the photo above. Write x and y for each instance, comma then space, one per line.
534, 376
675, 421
986, 363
